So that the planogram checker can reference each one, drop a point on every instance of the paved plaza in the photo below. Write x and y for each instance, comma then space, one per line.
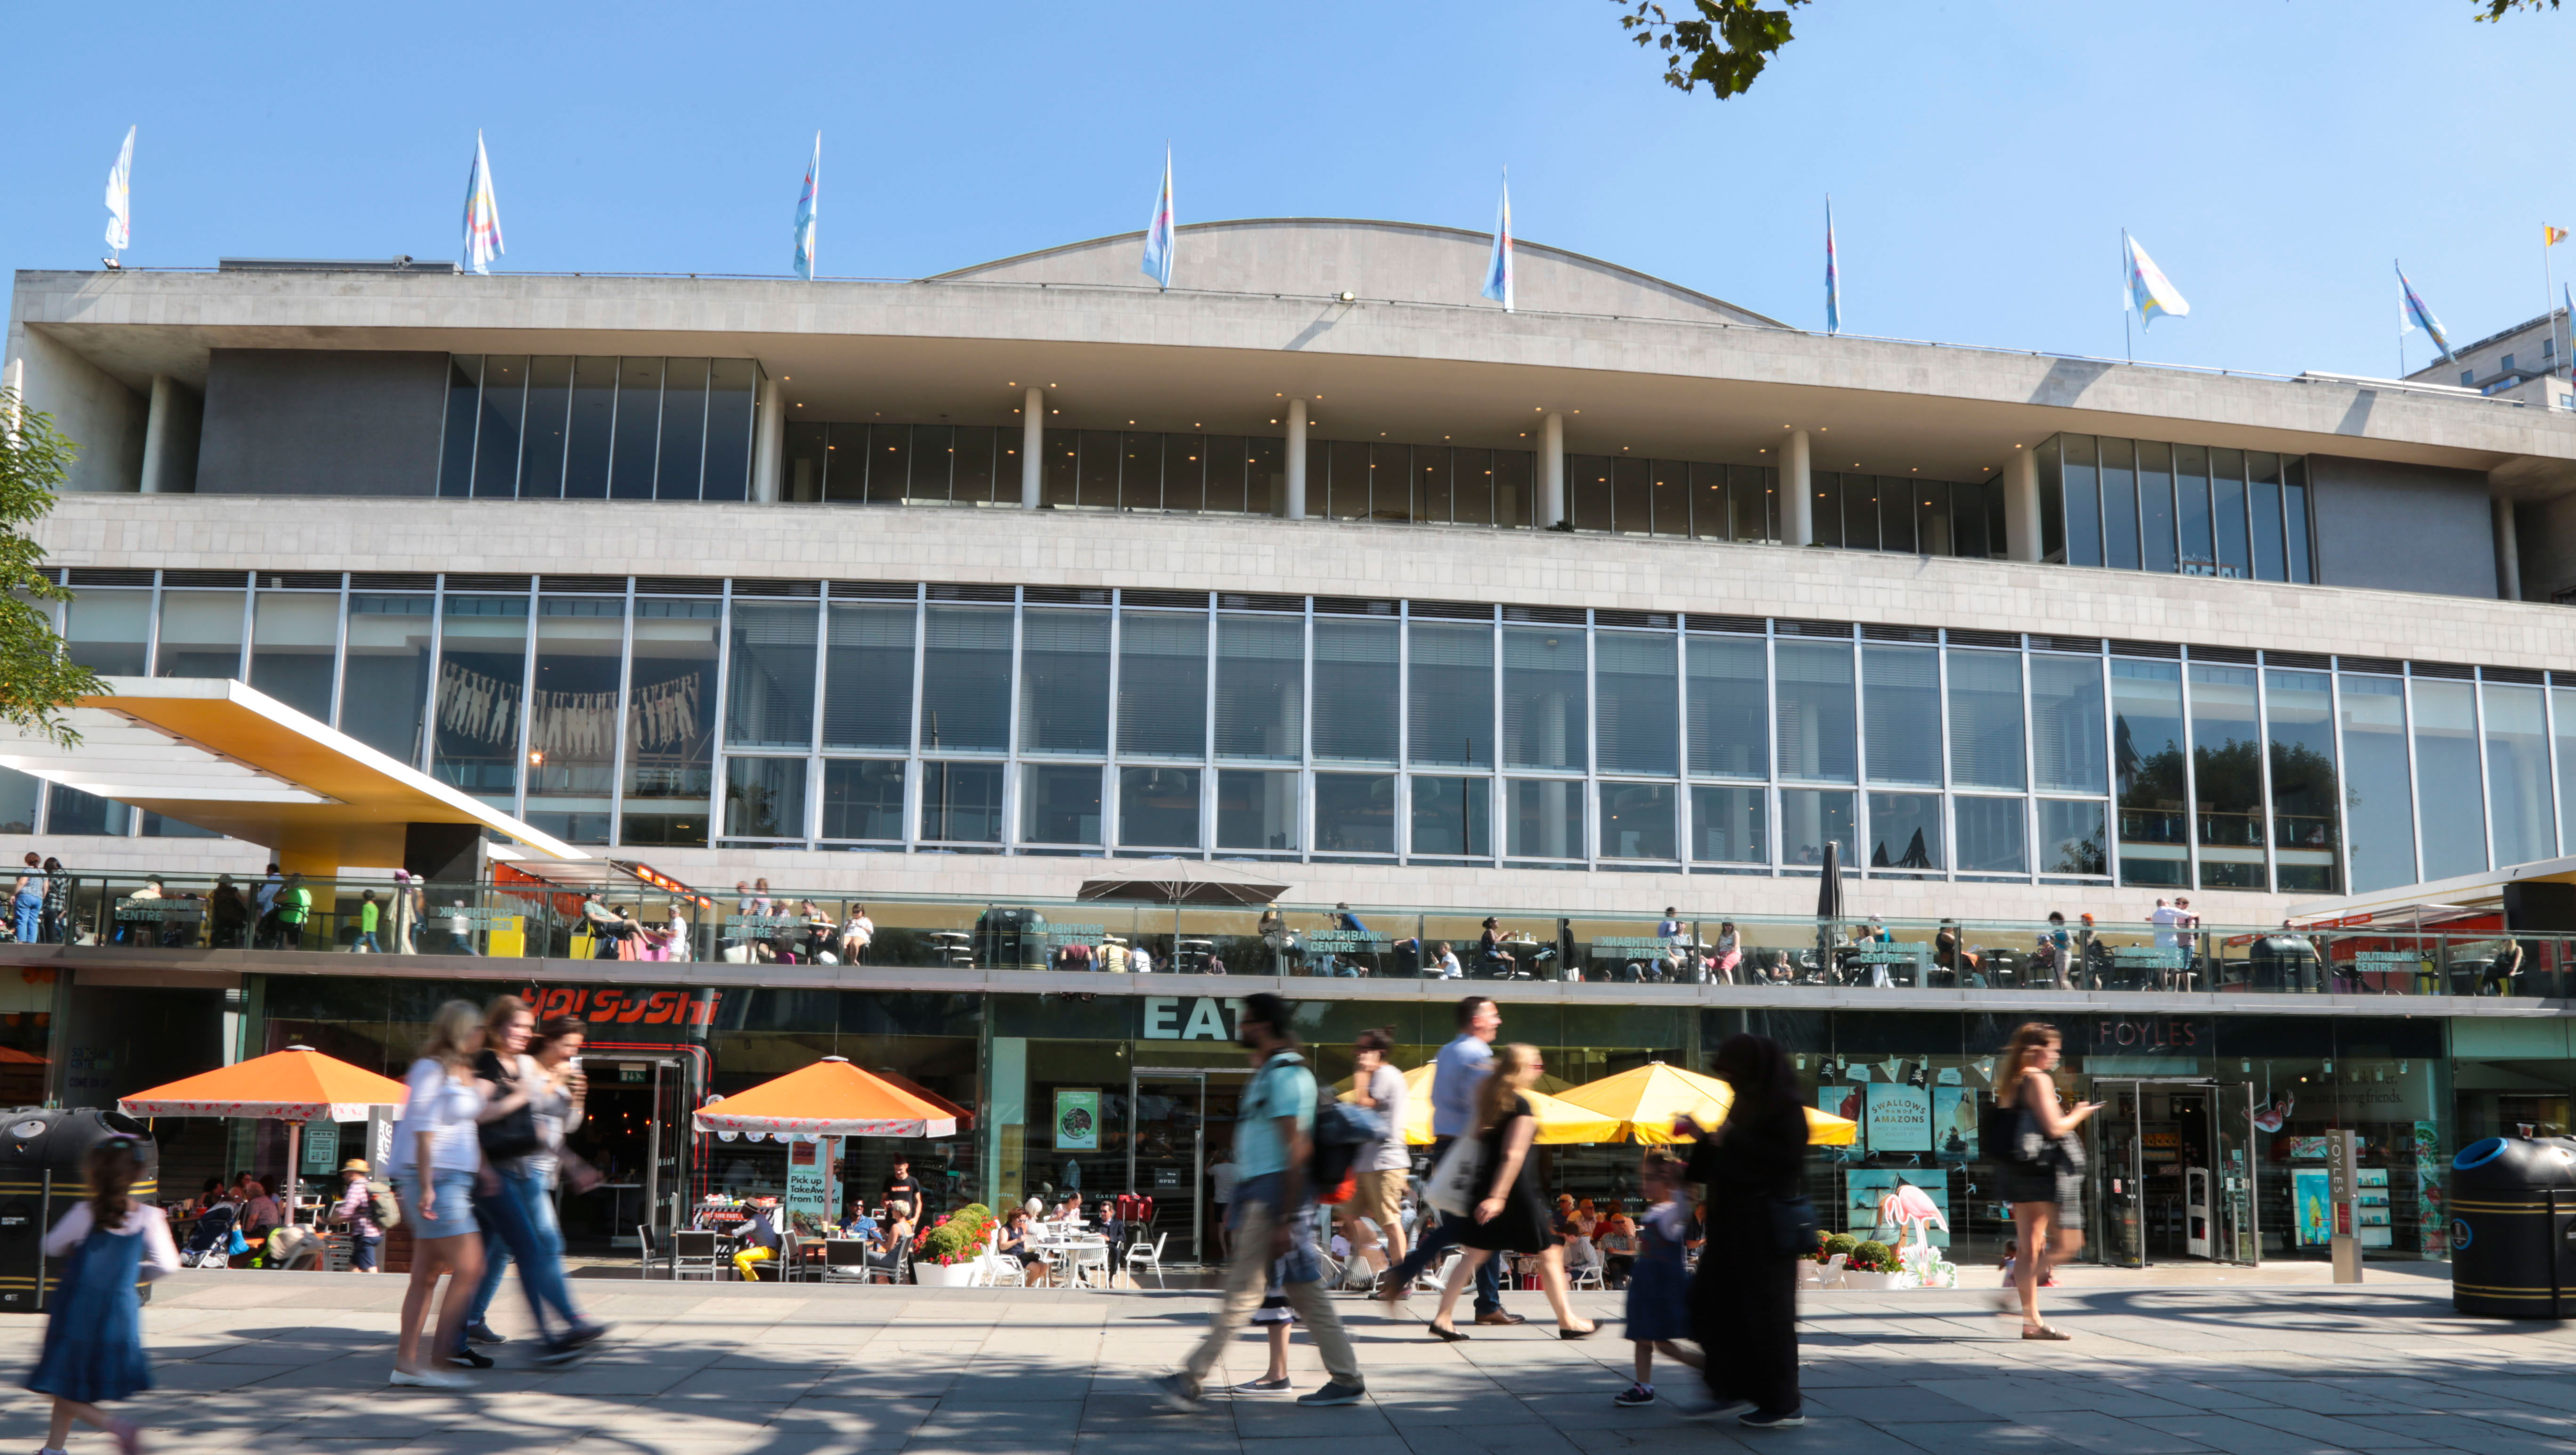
275, 1361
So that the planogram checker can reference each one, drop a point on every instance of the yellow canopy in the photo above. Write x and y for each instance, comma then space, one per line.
1559, 1124
1645, 1101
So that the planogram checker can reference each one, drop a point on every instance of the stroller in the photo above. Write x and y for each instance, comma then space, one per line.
210, 1242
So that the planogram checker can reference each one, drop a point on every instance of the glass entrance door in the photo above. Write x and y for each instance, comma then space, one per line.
1173, 1115
2172, 1176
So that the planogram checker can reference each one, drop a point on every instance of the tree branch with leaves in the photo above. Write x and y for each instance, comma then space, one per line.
1724, 43
37, 682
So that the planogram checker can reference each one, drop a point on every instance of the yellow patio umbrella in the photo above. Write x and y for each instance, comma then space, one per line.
1646, 1099
1559, 1124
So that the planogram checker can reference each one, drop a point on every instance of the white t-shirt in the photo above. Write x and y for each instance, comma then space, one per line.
445, 1108
160, 1254
1221, 1178
1389, 1153
2165, 919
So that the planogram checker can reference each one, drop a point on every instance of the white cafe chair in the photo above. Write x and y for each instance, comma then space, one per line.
1141, 1257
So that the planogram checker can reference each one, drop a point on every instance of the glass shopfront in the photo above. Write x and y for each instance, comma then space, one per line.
2209, 1146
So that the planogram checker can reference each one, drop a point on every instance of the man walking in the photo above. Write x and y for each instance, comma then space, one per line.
1272, 1219
1458, 1071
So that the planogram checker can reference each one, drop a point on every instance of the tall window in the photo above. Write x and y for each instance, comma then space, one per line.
867, 682
1163, 687
2147, 753
482, 670
1985, 719
2299, 712
1729, 702
2227, 776
1355, 694
2518, 773
966, 679
769, 694
1816, 741
1638, 680
1260, 688
1064, 681
670, 723
1452, 701
572, 716
1543, 698
2378, 799
1903, 695
2448, 797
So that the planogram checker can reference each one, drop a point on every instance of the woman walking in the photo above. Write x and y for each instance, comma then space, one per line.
2043, 1169
1744, 1299
1512, 1217
94, 1335
435, 1155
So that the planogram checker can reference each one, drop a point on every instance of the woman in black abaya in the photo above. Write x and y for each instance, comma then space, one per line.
1744, 1299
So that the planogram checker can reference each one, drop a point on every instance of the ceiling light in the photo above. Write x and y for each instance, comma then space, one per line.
1350, 298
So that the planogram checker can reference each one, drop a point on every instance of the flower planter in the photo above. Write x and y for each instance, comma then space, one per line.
1856, 1278
953, 1275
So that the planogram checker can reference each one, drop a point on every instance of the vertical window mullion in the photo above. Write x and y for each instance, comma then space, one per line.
1771, 736
1941, 689
340, 653
2486, 792
1592, 725
617, 750
2110, 767
916, 769
724, 683
2190, 784
2263, 771
1404, 729
1306, 730
1681, 707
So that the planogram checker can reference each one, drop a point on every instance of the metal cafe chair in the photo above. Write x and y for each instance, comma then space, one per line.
697, 1253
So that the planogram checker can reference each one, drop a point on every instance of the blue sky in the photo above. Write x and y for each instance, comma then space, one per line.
2274, 155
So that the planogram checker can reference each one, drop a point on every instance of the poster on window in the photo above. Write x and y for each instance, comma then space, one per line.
1900, 1117
1954, 1123
1077, 1121
1868, 1211
2312, 1206
809, 1179
1843, 1101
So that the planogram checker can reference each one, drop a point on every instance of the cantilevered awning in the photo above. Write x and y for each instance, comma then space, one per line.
218, 754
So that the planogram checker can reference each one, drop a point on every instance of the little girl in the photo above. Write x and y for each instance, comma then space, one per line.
1658, 1285
94, 1335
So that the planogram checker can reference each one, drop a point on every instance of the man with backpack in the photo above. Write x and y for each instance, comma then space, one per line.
1272, 1215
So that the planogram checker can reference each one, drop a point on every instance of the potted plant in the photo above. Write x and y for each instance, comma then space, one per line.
949, 1251
1872, 1265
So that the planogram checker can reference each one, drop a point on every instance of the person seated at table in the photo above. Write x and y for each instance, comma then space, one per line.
894, 1243
763, 1239
1616, 1236
1492, 959
260, 1214
207, 1196
1442, 963
861, 1223
1016, 1242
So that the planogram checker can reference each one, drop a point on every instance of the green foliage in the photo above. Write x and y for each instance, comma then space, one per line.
2498, 9
36, 683
1842, 1243
1725, 43
1872, 1256
959, 1236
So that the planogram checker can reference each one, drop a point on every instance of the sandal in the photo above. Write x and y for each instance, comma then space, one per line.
1451, 1336
2044, 1331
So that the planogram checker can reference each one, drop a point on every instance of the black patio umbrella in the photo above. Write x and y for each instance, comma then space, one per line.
1179, 890
1829, 907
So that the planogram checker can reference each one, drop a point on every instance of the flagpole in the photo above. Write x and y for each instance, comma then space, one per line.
2403, 320
2128, 295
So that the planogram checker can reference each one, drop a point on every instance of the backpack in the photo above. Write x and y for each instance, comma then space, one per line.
1341, 1130
388, 1212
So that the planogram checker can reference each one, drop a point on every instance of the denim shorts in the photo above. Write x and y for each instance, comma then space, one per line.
455, 1201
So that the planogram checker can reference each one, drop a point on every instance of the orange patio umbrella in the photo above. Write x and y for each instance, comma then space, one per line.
830, 1098
295, 1086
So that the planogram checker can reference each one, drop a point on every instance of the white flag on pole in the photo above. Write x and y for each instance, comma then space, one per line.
120, 196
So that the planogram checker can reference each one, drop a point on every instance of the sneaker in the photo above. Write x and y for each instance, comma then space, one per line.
1333, 1393
585, 1335
1180, 1392
1757, 1420
1634, 1395
482, 1334
1264, 1386
470, 1359
430, 1379
561, 1351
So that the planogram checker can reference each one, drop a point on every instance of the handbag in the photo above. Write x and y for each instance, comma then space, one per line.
512, 1135
1458, 1182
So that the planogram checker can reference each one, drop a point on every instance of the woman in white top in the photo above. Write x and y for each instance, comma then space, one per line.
435, 1156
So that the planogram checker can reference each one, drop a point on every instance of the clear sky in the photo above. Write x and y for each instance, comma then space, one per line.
2274, 155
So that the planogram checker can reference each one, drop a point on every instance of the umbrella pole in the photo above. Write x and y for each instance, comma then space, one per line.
294, 1165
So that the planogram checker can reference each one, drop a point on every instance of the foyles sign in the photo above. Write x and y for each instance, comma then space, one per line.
1206, 1018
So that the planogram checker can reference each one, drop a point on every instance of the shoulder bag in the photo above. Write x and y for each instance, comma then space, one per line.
1458, 1182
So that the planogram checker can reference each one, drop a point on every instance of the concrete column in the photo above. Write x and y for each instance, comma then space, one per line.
769, 447
156, 434
13, 379
1296, 459
2021, 506
2508, 551
1032, 448
1551, 472
1797, 493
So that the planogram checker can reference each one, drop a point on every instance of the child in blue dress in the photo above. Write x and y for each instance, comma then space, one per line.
94, 1335
1659, 1284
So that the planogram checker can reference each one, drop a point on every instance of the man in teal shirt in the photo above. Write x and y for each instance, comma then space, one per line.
1272, 1216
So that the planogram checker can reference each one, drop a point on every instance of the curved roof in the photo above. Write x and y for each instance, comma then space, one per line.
1406, 262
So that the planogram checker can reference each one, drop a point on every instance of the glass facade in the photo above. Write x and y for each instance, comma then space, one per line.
878, 715
2146, 505
555, 427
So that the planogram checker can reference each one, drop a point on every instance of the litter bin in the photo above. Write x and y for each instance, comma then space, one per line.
43, 1157
1011, 939
2513, 1228
2283, 963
